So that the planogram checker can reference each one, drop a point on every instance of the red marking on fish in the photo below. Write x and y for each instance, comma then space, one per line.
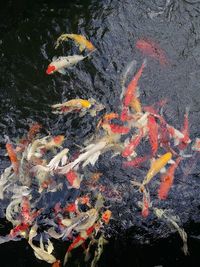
72, 177
153, 50
135, 162
26, 210
50, 69
71, 207
153, 134
167, 180
119, 129
132, 87
125, 114
132, 145
17, 229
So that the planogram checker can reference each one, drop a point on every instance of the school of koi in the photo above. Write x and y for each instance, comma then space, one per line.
42, 165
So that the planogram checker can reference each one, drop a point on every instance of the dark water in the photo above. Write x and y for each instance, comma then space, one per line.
28, 32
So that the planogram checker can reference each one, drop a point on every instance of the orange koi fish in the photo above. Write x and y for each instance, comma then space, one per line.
156, 166
152, 49
167, 180
13, 156
106, 216
153, 133
132, 144
80, 40
132, 87
73, 179
135, 162
34, 129
119, 129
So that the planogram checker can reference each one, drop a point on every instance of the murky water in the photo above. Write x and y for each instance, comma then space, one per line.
28, 34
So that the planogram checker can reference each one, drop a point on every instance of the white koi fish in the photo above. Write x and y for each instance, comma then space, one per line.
59, 64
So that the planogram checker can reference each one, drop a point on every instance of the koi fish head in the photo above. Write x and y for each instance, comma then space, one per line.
51, 69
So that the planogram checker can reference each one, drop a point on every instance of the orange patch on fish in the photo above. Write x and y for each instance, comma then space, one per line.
167, 180
106, 216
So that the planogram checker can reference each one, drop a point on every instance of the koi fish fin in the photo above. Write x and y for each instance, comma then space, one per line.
67, 255
54, 58
62, 71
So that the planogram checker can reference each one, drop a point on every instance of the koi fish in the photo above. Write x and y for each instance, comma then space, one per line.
99, 250
145, 203
153, 133
26, 210
156, 166
106, 216
136, 105
80, 40
175, 134
19, 230
125, 114
129, 149
57, 264
196, 145
55, 141
34, 129
167, 180
119, 129
59, 64
73, 104
129, 68
185, 131
82, 237
12, 155
61, 156
135, 162
132, 87
73, 179
152, 49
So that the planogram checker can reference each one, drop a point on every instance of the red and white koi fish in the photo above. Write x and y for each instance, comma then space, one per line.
152, 49
132, 145
132, 87
167, 180
83, 236
73, 179
59, 64
175, 134
153, 134
118, 129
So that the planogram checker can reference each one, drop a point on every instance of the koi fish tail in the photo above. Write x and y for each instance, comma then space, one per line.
67, 255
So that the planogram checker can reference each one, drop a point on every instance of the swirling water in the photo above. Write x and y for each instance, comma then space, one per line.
29, 31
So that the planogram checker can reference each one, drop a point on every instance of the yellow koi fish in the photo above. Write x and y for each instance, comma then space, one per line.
156, 166
73, 104
80, 40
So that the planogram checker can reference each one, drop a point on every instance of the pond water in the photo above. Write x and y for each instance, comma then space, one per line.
29, 30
